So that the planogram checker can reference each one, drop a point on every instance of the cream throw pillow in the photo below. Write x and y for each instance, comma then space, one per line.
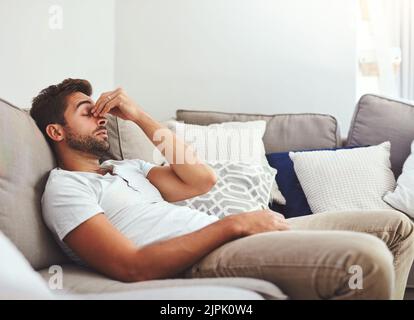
345, 179
402, 198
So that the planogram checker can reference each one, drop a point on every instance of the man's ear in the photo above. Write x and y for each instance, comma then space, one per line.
55, 132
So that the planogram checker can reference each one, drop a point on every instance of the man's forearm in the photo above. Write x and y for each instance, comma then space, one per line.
171, 257
181, 157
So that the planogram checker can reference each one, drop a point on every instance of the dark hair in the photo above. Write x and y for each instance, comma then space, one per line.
49, 106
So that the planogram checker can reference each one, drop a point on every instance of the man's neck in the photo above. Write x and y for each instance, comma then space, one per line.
79, 161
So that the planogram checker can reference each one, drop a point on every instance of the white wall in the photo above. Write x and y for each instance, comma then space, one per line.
264, 56
32, 56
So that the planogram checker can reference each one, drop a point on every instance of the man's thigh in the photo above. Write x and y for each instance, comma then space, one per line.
303, 264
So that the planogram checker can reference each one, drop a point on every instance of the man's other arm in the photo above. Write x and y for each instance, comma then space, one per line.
104, 248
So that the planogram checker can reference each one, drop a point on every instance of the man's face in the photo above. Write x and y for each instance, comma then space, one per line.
83, 131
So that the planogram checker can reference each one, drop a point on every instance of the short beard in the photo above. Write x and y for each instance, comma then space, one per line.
88, 144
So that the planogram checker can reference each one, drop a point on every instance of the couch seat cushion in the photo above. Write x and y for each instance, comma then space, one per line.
194, 292
79, 280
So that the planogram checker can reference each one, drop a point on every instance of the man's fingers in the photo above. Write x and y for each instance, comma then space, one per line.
279, 215
104, 99
282, 222
100, 99
284, 227
111, 104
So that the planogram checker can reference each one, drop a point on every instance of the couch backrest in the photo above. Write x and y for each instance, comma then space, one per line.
25, 161
128, 141
284, 132
377, 119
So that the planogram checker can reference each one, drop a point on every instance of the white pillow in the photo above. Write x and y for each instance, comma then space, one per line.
234, 141
18, 280
345, 179
240, 187
403, 196
228, 141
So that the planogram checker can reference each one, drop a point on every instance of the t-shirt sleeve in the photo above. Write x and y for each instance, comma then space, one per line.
143, 166
68, 202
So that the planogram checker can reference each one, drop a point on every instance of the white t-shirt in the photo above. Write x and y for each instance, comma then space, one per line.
126, 197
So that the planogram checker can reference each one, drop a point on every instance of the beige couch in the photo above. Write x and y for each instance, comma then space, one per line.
26, 160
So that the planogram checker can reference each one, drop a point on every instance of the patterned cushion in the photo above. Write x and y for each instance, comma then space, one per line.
240, 187
342, 180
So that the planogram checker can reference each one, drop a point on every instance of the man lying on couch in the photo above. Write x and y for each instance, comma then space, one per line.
117, 217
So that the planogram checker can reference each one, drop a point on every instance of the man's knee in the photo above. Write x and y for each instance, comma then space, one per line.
370, 268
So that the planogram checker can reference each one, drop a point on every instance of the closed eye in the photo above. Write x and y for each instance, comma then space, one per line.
87, 112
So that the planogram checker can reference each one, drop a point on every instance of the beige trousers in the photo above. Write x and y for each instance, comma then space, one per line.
338, 255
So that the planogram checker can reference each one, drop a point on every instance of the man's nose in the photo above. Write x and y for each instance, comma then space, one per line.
102, 121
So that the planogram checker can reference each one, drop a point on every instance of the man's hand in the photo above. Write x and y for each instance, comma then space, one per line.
118, 104
253, 222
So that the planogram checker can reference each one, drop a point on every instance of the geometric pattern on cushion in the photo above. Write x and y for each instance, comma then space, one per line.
240, 187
